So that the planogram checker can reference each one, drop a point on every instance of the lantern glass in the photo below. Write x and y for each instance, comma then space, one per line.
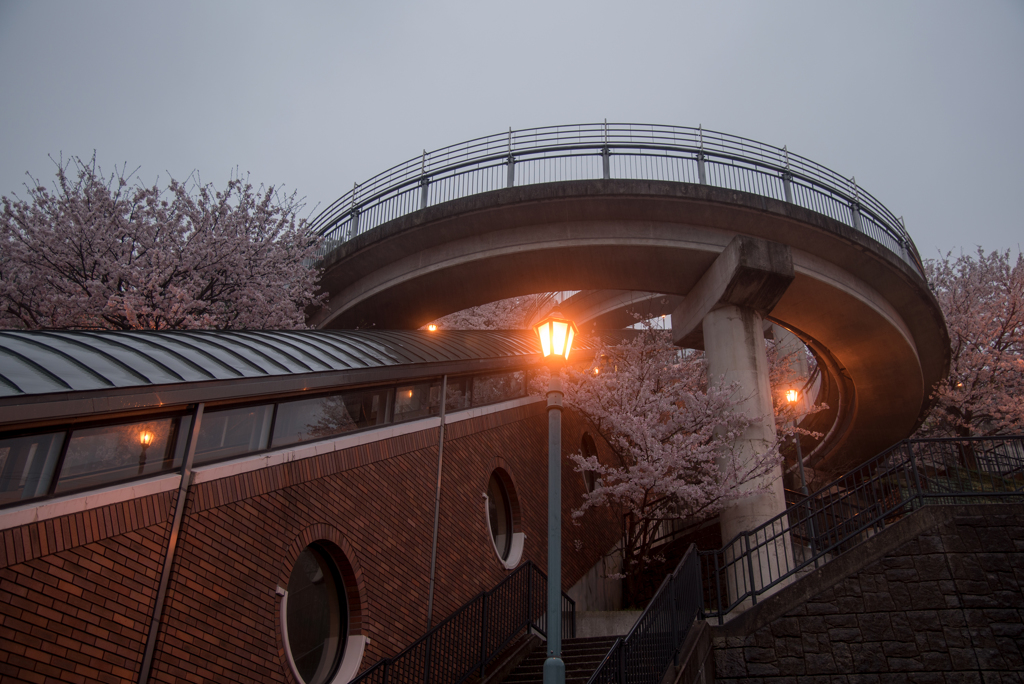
544, 330
556, 337
792, 395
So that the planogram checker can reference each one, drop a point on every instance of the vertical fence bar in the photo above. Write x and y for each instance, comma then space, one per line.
483, 634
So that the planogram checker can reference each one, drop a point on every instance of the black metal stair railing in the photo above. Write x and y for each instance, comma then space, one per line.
644, 654
471, 637
837, 517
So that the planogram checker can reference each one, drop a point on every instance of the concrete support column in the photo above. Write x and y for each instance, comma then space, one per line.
734, 348
725, 312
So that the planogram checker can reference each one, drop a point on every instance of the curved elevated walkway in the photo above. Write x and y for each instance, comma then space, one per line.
865, 311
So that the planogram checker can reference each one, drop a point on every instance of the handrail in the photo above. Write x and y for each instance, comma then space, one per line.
470, 638
644, 654
840, 515
603, 150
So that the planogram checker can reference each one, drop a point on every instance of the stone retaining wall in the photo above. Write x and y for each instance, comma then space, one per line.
946, 605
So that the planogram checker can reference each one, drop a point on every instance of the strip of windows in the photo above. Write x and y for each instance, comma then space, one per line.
57, 462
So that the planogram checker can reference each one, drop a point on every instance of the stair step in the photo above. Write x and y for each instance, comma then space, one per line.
581, 658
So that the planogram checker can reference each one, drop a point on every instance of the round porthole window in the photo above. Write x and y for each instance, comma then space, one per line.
499, 513
316, 616
503, 518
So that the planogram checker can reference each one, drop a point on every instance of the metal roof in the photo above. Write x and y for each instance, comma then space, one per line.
61, 361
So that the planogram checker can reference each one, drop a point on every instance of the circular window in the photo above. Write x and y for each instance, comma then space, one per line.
499, 513
316, 615
589, 448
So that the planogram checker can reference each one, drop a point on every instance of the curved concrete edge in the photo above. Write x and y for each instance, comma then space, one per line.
852, 301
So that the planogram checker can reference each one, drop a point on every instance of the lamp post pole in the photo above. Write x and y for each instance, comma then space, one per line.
554, 666
556, 335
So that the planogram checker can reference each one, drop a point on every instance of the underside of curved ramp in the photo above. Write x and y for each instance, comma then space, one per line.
864, 311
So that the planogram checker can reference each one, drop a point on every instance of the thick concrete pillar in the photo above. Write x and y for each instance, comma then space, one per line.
726, 309
735, 353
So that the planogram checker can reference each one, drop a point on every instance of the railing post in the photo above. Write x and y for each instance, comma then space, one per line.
858, 223
787, 178
424, 181
622, 662
750, 567
673, 586
701, 175
511, 162
718, 589
917, 476
426, 659
483, 633
606, 153
529, 597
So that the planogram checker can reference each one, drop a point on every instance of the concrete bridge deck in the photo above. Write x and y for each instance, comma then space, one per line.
863, 309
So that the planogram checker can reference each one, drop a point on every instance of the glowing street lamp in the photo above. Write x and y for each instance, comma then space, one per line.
793, 396
556, 335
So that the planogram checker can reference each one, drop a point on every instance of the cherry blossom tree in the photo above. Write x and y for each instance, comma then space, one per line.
104, 252
982, 298
514, 313
674, 436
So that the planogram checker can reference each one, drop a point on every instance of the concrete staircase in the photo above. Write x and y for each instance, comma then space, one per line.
581, 656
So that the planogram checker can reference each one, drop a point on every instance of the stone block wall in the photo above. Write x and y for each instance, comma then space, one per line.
944, 606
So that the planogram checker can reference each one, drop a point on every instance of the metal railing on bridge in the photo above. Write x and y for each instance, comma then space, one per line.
475, 634
911, 474
610, 150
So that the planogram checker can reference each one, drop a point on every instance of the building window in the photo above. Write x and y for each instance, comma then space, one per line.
503, 518
309, 419
27, 465
316, 616
589, 448
499, 513
233, 432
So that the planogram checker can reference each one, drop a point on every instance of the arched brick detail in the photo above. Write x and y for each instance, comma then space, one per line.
344, 557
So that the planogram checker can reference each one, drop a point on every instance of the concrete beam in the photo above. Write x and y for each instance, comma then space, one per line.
749, 273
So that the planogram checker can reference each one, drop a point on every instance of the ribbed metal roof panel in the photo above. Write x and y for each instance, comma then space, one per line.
43, 362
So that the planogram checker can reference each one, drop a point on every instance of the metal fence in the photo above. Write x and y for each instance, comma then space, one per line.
616, 150
644, 654
863, 502
471, 637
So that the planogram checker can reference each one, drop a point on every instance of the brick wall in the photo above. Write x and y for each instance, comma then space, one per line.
77, 592
946, 605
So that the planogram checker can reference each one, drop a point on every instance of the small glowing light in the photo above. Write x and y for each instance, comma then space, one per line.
792, 395
431, 327
146, 438
596, 371
959, 384
409, 394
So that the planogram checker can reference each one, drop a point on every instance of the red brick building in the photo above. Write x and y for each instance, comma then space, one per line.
97, 558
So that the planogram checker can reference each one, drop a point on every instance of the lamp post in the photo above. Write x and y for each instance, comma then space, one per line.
556, 334
793, 396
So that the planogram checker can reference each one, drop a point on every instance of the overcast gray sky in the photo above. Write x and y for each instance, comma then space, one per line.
922, 101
